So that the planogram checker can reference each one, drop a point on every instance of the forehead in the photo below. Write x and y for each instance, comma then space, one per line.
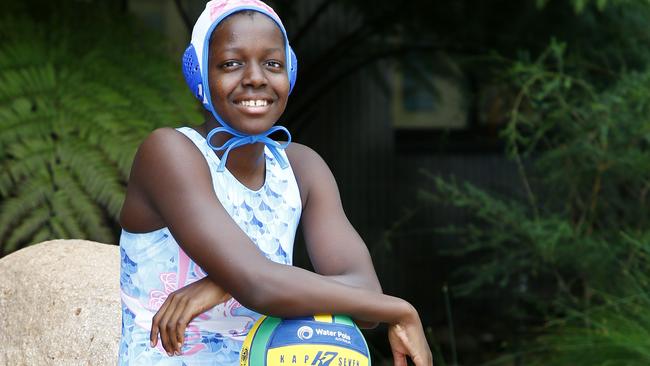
247, 27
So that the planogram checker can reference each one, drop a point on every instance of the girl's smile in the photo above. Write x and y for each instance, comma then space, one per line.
254, 105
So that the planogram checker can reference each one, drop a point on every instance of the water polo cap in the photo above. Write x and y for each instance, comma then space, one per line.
195, 70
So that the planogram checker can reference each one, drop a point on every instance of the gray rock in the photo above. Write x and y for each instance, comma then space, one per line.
60, 304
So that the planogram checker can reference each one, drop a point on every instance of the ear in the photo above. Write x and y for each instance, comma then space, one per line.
292, 68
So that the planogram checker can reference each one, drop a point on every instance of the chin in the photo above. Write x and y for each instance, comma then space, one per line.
253, 130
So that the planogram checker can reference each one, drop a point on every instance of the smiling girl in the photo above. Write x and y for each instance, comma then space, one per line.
211, 213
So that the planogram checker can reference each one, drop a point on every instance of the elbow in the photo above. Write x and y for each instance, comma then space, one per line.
256, 298
261, 293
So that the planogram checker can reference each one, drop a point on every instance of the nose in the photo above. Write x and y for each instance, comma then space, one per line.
254, 76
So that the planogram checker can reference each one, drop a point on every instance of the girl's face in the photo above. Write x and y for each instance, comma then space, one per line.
248, 79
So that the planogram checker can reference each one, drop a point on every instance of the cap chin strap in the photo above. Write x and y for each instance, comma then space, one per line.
240, 139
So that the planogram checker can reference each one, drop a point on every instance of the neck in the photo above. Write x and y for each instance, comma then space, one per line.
246, 163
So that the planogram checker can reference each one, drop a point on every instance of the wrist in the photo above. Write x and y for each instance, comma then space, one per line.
403, 312
409, 314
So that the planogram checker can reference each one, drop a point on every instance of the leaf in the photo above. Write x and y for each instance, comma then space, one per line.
72, 114
601, 4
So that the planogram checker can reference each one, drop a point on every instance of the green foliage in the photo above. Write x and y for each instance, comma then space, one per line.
584, 195
571, 245
580, 5
78, 93
615, 332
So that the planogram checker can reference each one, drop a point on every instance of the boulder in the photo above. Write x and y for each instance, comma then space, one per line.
60, 304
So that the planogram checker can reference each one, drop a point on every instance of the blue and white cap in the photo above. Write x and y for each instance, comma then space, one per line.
195, 70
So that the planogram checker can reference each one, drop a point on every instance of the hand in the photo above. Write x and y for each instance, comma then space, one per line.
407, 339
178, 310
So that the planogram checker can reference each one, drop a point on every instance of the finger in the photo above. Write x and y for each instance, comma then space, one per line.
422, 357
181, 325
166, 327
153, 336
155, 324
178, 324
422, 360
184, 319
399, 359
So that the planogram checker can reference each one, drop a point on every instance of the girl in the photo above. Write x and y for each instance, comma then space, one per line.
211, 212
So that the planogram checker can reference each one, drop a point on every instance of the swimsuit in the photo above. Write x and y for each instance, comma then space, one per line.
153, 266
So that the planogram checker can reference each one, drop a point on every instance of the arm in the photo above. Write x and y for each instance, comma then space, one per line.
175, 182
335, 249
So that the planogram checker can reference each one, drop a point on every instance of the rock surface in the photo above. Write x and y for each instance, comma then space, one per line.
60, 304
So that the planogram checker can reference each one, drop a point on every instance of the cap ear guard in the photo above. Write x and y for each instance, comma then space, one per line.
292, 69
192, 73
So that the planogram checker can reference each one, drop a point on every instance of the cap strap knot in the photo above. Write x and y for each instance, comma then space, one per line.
240, 139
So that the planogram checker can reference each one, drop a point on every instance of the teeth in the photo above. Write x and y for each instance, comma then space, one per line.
254, 103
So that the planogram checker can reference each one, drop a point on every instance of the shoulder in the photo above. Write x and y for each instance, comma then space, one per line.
162, 139
309, 168
166, 161
301, 155
164, 147
168, 156
304, 160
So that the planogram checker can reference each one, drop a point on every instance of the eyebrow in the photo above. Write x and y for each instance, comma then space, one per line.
268, 50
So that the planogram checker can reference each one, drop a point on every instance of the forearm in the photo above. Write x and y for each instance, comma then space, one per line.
364, 281
287, 291
352, 279
358, 280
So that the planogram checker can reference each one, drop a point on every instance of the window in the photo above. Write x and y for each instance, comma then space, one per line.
435, 108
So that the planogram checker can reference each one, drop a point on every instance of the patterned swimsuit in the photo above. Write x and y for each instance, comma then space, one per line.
153, 266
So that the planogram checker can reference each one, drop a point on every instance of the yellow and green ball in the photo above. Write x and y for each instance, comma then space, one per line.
320, 340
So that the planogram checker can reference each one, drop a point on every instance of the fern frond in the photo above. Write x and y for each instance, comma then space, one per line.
65, 216
20, 123
26, 82
95, 173
29, 158
31, 195
72, 114
43, 234
27, 228
89, 215
58, 231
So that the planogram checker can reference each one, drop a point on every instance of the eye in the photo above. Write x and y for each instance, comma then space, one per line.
230, 64
274, 64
